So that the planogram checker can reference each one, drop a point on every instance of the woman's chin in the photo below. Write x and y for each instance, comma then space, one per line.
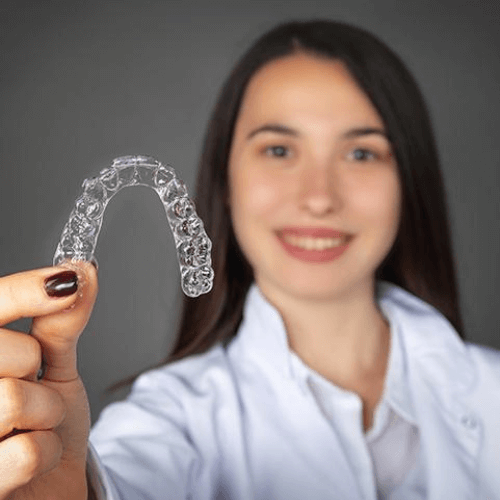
304, 288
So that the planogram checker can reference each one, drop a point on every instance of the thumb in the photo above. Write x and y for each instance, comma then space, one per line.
58, 333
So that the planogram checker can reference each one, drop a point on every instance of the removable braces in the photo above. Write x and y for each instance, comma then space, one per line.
79, 236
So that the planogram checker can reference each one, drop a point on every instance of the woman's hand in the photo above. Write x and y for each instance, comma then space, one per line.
44, 424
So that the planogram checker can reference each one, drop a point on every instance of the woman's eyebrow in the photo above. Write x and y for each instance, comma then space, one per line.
350, 134
359, 132
273, 127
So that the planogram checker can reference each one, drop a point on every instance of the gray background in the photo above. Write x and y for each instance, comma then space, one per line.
84, 82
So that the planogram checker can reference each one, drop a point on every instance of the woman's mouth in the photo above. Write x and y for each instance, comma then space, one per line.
311, 243
314, 248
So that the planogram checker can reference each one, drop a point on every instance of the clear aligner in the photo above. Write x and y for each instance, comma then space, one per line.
79, 236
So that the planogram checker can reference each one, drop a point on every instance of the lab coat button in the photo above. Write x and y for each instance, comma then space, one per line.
469, 421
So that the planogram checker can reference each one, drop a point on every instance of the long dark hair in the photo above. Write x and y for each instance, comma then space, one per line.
421, 260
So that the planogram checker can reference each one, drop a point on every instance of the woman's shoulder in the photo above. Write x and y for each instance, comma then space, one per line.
486, 359
190, 375
171, 391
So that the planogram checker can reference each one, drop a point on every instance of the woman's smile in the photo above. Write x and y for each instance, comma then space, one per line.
314, 249
314, 244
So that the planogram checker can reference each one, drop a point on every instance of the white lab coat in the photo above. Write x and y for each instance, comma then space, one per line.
177, 437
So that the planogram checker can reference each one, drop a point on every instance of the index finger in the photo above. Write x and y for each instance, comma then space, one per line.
23, 295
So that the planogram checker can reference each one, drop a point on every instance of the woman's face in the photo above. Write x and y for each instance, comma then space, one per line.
314, 191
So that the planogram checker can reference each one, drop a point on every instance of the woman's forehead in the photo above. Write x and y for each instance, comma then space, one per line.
306, 88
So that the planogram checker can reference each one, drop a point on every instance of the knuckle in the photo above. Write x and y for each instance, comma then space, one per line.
11, 295
57, 407
12, 401
29, 456
18, 294
38, 452
32, 351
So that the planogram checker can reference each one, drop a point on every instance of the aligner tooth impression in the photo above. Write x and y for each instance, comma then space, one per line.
79, 236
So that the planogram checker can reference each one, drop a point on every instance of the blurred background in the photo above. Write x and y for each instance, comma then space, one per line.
82, 82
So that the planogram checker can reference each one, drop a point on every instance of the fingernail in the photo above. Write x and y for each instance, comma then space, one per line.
62, 284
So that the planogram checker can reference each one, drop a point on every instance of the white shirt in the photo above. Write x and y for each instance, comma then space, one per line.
388, 452
253, 422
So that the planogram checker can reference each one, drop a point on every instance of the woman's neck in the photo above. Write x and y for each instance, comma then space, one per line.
346, 340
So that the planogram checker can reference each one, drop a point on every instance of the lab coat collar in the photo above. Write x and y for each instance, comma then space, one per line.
429, 342
432, 348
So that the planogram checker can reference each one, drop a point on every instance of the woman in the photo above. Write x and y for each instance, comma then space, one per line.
327, 362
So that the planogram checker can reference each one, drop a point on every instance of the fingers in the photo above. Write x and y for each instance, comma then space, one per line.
23, 295
28, 405
26, 456
43, 424
20, 355
58, 332
58, 320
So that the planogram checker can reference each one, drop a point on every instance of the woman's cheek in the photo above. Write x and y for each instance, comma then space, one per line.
262, 195
378, 197
381, 209
265, 198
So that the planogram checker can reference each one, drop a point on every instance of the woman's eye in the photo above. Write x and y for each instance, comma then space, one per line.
361, 154
277, 151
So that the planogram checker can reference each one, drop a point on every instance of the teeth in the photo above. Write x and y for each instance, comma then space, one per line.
310, 243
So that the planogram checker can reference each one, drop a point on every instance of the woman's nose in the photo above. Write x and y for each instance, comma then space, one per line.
319, 190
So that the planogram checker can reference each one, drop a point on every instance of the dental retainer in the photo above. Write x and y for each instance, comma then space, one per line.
79, 237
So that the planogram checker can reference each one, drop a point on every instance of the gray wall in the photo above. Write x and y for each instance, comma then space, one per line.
84, 82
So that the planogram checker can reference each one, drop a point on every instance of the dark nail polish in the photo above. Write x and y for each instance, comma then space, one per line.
62, 284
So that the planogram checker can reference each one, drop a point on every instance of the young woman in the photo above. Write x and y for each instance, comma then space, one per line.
328, 362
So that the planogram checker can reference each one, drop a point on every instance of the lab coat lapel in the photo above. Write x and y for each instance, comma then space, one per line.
451, 452
440, 371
